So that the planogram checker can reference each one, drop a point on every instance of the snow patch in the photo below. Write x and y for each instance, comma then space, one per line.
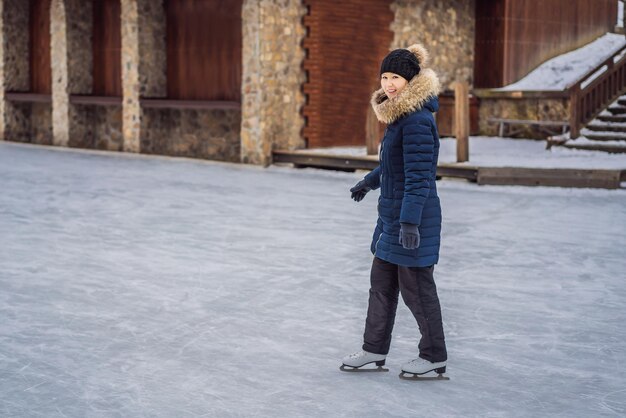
354, 151
583, 140
559, 72
586, 132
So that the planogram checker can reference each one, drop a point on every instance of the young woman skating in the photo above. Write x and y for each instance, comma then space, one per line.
407, 235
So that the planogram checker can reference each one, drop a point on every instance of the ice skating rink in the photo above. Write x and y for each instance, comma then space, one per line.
135, 286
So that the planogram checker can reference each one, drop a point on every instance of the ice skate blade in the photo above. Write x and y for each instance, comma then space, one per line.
414, 376
351, 369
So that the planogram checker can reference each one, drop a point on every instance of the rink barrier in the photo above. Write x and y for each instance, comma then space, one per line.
510, 176
303, 159
551, 177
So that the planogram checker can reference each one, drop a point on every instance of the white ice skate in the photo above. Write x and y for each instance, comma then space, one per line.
354, 362
419, 367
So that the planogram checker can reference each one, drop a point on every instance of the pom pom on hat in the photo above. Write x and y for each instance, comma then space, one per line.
420, 53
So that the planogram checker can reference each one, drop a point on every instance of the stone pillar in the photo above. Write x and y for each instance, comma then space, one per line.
71, 31
144, 63
272, 79
60, 90
14, 67
446, 29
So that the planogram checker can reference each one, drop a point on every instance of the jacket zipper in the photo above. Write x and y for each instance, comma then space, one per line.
382, 153
380, 157
377, 241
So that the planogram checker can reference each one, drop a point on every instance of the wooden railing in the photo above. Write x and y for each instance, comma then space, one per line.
596, 90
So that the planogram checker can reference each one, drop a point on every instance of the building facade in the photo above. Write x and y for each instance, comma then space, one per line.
233, 80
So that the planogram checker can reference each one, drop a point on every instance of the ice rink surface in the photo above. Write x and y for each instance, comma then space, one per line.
133, 286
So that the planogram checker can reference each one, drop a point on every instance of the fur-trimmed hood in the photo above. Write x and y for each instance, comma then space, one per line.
414, 96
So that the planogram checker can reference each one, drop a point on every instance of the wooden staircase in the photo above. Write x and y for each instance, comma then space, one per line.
606, 132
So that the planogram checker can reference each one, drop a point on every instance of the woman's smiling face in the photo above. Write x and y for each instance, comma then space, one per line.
392, 84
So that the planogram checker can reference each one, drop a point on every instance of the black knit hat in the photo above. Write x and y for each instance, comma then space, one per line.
402, 62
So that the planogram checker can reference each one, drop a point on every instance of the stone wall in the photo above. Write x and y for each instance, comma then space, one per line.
107, 128
14, 66
79, 35
60, 86
94, 126
152, 49
17, 126
272, 96
445, 28
521, 109
14, 69
144, 64
72, 66
100, 127
40, 129
211, 134
272, 79
30, 123
79, 67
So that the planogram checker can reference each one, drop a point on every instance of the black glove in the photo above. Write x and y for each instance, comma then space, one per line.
409, 236
360, 190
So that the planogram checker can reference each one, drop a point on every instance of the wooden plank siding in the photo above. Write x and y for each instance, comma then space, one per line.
39, 43
107, 48
345, 43
204, 47
515, 36
489, 43
445, 116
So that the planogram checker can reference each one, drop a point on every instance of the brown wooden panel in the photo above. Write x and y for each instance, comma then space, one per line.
489, 43
342, 64
445, 115
28, 97
107, 48
96, 100
40, 63
515, 36
554, 177
188, 104
204, 47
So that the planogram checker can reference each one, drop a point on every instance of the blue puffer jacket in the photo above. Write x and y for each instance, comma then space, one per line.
407, 171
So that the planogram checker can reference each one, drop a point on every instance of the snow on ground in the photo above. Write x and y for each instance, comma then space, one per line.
486, 151
563, 70
494, 152
137, 286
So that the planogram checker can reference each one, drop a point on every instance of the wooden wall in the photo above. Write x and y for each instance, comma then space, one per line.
40, 69
445, 116
345, 45
107, 48
204, 47
515, 36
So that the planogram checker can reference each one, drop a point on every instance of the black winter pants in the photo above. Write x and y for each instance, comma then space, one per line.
417, 286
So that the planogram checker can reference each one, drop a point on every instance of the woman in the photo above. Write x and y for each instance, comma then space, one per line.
407, 236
